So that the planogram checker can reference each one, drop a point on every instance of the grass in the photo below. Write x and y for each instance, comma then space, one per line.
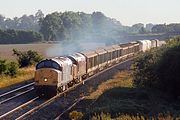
24, 74
118, 99
122, 79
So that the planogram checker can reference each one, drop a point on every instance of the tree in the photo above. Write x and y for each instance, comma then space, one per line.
142, 30
39, 15
51, 25
11, 36
149, 27
2, 18
161, 28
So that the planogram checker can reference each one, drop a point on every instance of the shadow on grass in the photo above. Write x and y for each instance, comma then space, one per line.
132, 102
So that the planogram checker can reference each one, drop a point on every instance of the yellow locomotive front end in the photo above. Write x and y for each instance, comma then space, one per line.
48, 74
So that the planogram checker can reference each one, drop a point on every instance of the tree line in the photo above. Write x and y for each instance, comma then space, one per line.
25, 22
69, 25
78, 25
163, 28
12, 36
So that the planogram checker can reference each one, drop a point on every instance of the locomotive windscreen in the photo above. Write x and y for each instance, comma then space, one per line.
48, 64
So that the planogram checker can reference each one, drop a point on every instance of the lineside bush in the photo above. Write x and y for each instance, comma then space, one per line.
75, 115
27, 58
159, 68
8, 68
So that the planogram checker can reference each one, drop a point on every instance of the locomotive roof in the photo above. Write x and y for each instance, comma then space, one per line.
77, 56
61, 60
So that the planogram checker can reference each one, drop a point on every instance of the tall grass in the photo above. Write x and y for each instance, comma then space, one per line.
23, 74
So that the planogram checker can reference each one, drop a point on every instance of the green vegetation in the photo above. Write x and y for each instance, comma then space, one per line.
78, 25
75, 115
59, 26
163, 28
10, 68
27, 58
10, 73
159, 68
12, 36
25, 22
118, 99
23, 74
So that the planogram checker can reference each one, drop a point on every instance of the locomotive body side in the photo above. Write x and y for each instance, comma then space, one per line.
67, 73
79, 66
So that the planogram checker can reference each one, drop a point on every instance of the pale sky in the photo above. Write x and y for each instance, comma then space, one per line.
128, 12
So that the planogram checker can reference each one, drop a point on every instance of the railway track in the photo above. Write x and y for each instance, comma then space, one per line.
27, 109
5, 97
21, 112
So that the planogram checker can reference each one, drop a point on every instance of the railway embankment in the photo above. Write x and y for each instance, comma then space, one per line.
118, 98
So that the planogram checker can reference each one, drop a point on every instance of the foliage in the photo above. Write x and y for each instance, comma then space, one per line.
3, 66
102, 116
24, 22
78, 25
163, 28
159, 68
142, 30
27, 58
8, 68
75, 115
12, 68
11, 36
23, 74
117, 99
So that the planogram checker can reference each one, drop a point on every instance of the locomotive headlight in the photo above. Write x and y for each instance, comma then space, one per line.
45, 79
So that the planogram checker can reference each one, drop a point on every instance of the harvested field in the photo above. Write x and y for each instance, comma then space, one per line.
7, 53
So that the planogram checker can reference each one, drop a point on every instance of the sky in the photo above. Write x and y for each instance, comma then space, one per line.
128, 12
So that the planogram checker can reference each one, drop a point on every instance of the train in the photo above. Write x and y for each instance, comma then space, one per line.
55, 75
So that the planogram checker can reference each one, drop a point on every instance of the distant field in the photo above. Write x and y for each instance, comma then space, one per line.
7, 53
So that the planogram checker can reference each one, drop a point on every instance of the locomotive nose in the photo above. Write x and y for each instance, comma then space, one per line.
46, 77
46, 82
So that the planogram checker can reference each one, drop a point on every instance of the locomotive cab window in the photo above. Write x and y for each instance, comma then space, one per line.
48, 64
